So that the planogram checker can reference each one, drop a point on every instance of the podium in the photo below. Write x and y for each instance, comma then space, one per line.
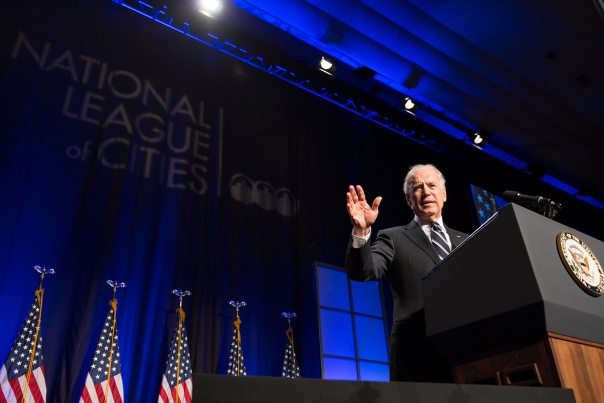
506, 311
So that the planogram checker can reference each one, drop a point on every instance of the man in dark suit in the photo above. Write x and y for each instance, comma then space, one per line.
404, 254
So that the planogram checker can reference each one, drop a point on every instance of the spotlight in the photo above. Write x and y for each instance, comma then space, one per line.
210, 7
408, 105
480, 138
326, 66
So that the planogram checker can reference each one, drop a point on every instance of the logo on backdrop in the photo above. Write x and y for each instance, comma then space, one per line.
147, 129
127, 123
246, 191
581, 263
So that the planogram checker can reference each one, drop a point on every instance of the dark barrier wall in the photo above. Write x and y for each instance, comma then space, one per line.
133, 153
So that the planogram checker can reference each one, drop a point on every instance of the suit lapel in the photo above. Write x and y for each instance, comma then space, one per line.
454, 236
415, 233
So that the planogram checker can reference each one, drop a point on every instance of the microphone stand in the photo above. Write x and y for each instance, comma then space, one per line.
549, 208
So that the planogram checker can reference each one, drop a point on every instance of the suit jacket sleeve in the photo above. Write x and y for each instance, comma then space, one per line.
370, 261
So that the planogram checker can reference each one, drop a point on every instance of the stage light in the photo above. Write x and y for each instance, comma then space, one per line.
210, 7
480, 138
408, 105
326, 66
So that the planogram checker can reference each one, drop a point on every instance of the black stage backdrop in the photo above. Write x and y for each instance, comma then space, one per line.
133, 153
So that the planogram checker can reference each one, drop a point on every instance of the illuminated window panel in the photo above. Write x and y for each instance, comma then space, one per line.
373, 371
339, 369
333, 288
353, 339
336, 333
367, 297
371, 338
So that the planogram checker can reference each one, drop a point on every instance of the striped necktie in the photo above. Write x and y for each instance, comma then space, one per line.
439, 240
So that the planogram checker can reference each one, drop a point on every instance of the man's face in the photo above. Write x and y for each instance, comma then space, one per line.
427, 196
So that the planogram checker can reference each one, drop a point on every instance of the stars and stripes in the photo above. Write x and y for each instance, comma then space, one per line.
236, 366
106, 364
291, 368
23, 370
177, 381
486, 204
439, 240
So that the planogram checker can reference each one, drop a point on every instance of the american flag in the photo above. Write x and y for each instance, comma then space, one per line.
173, 382
291, 369
16, 369
236, 366
107, 352
486, 203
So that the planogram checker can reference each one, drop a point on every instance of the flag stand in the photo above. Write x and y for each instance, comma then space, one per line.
106, 351
177, 380
290, 337
113, 304
181, 319
40, 297
238, 371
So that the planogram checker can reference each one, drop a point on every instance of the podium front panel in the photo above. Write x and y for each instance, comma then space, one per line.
507, 282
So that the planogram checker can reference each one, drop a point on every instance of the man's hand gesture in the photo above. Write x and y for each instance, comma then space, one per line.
361, 213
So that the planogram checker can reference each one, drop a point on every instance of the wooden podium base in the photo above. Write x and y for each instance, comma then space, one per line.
552, 360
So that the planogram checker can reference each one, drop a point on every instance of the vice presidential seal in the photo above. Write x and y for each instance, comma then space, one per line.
581, 263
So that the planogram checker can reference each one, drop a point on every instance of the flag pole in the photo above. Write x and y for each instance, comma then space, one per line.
237, 305
113, 304
40, 297
290, 336
181, 319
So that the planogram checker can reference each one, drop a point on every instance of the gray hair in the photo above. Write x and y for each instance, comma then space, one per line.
419, 167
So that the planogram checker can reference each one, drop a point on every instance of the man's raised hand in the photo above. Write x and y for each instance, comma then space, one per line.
361, 213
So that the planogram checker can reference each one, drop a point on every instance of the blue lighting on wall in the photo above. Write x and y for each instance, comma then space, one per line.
559, 184
503, 156
592, 201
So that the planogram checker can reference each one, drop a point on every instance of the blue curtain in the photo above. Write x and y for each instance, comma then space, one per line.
131, 152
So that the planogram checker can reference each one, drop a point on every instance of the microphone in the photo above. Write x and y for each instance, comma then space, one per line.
515, 197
